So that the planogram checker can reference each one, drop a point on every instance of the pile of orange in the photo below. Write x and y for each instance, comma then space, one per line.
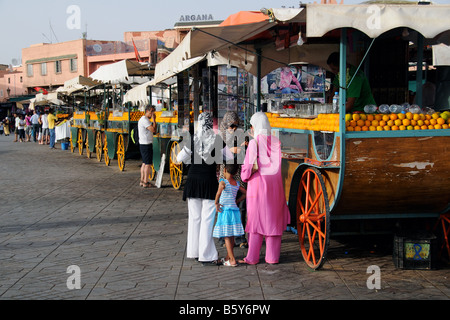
323, 122
396, 121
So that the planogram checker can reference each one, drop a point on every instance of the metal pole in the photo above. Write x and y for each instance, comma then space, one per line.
419, 73
258, 85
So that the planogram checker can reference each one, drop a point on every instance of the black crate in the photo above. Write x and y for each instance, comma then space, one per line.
415, 251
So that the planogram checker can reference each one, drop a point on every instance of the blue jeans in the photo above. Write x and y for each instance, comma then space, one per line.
52, 138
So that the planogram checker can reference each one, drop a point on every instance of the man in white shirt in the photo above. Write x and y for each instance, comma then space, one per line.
45, 139
146, 129
35, 123
16, 126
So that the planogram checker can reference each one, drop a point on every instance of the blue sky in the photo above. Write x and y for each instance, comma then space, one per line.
24, 23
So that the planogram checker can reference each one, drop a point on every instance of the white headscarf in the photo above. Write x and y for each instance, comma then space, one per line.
204, 138
260, 124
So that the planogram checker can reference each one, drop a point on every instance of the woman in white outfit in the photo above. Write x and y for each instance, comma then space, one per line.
200, 192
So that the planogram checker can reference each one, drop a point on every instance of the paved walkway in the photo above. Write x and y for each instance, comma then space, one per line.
60, 209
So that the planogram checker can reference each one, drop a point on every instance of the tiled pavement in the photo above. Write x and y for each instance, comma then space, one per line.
60, 209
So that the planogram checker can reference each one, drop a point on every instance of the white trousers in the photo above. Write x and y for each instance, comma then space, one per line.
200, 242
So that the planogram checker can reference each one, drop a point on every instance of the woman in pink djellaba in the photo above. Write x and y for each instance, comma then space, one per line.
267, 211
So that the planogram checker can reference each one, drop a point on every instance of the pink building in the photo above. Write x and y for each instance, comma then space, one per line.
11, 83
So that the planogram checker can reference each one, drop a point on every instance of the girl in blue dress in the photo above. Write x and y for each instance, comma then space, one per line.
229, 223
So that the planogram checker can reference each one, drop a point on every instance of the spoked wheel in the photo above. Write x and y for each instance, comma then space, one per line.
105, 152
152, 174
176, 168
72, 148
80, 142
88, 151
313, 218
99, 146
121, 152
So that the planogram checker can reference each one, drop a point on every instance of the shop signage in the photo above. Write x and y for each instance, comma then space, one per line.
196, 17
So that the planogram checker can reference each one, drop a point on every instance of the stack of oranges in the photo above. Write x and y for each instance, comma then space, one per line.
396, 121
323, 122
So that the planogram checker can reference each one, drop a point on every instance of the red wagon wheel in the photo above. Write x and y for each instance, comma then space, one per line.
313, 218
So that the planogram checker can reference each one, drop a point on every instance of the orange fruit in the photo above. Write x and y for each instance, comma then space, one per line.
420, 122
406, 122
386, 128
435, 115
413, 122
357, 128
372, 128
437, 126
379, 128
426, 122
382, 123
367, 123
385, 118
409, 115
393, 116
353, 123
378, 117
390, 123
440, 121
424, 127
370, 117
401, 116
445, 126
375, 123
416, 116
430, 127
398, 122
350, 129
394, 127
416, 127
433, 121
365, 128
356, 116
428, 117
402, 127
409, 127
360, 122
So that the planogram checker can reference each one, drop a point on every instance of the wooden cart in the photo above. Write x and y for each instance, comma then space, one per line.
336, 175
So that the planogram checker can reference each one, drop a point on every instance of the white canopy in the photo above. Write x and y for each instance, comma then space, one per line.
125, 71
76, 84
197, 44
375, 19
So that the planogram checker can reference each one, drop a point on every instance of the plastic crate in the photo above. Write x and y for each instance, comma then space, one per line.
415, 251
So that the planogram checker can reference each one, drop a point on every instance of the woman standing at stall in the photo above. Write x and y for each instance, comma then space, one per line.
267, 211
228, 127
200, 192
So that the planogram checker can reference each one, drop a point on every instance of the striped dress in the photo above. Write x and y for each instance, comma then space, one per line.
229, 220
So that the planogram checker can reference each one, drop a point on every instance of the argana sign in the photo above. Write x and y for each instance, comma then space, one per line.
196, 17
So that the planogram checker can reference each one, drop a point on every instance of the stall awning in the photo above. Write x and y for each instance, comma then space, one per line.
139, 96
198, 43
125, 71
77, 84
376, 19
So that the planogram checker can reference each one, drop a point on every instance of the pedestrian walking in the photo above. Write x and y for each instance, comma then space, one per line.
45, 138
51, 128
200, 191
35, 125
21, 128
267, 211
146, 129
28, 127
16, 127
229, 224
6, 123
1, 128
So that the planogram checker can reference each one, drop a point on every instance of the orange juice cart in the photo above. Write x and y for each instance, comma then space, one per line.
339, 170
